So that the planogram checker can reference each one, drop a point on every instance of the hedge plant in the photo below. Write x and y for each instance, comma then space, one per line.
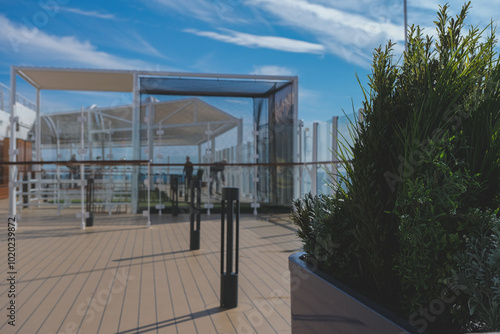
424, 174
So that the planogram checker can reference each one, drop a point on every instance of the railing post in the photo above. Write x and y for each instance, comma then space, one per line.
230, 206
195, 214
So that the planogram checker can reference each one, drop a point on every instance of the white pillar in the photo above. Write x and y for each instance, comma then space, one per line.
83, 214
136, 143
335, 147
38, 139
314, 167
255, 204
300, 169
13, 148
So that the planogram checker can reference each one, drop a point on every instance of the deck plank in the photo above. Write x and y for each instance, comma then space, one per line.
121, 277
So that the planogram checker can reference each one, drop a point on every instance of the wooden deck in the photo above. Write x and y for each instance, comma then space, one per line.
122, 277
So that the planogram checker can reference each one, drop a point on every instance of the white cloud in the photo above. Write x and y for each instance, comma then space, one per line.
272, 70
93, 13
35, 46
254, 41
349, 35
209, 11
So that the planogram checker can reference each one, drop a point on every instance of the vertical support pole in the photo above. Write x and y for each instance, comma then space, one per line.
38, 140
300, 152
314, 171
195, 214
149, 120
136, 143
82, 170
297, 142
255, 204
239, 155
148, 183
230, 205
58, 169
13, 148
209, 154
160, 206
109, 184
335, 147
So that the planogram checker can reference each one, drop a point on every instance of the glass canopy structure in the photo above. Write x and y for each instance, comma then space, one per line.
170, 115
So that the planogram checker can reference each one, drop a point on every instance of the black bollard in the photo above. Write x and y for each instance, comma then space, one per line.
195, 214
230, 205
174, 194
90, 202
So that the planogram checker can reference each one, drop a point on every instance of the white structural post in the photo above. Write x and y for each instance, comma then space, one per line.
335, 147
38, 139
239, 155
209, 158
314, 175
160, 206
149, 121
255, 204
148, 184
109, 184
136, 143
13, 149
58, 168
313, 168
299, 157
297, 152
83, 214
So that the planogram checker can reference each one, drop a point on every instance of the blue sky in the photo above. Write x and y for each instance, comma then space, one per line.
323, 42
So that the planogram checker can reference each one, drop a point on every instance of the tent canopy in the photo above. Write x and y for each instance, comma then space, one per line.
166, 83
184, 122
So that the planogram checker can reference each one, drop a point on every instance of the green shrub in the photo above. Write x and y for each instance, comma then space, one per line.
478, 272
425, 165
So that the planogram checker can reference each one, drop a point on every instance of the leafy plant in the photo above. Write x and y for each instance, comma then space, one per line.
478, 273
424, 164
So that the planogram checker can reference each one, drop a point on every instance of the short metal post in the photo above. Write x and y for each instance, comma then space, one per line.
89, 221
174, 191
230, 206
195, 214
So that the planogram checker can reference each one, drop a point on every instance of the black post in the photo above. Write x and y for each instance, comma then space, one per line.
90, 202
230, 205
195, 214
174, 194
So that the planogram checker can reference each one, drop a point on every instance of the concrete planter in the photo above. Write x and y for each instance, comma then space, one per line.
320, 304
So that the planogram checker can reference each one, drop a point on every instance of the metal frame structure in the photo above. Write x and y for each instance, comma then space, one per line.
129, 81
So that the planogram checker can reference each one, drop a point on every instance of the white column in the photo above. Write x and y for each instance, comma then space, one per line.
209, 157
239, 156
314, 167
255, 204
83, 214
136, 143
13, 149
300, 169
38, 153
160, 206
335, 147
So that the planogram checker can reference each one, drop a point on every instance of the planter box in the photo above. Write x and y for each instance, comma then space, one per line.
319, 304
